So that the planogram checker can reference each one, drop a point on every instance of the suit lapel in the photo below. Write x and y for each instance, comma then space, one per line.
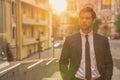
95, 42
96, 45
79, 45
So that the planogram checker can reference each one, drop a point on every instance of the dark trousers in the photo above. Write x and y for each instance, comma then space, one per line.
76, 78
83, 79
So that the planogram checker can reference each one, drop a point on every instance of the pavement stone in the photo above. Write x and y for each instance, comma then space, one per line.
116, 74
57, 75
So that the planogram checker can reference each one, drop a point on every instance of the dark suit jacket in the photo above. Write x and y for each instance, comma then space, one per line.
71, 56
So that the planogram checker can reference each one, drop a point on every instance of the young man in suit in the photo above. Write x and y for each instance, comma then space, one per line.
86, 55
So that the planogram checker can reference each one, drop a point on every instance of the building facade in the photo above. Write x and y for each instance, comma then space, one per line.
25, 24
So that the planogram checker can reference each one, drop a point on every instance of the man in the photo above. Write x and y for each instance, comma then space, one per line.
86, 55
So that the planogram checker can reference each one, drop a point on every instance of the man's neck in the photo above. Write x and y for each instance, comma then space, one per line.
86, 31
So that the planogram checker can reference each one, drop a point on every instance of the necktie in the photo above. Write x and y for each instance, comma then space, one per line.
87, 60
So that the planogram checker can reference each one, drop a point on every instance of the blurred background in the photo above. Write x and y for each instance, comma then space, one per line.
36, 29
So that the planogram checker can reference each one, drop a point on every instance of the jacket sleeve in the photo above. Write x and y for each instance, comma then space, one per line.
108, 62
64, 60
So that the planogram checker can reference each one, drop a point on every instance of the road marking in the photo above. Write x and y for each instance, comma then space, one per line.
4, 64
29, 67
50, 61
10, 68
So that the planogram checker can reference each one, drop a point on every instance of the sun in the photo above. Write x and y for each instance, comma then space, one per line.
58, 5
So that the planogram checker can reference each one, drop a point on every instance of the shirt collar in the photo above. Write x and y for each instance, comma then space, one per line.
83, 34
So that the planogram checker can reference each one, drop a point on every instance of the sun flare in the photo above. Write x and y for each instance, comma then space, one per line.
58, 5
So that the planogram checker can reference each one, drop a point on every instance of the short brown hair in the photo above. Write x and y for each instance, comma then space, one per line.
88, 9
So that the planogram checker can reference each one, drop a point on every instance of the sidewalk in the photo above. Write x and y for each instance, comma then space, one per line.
55, 76
48, 54
43, 55
31, 66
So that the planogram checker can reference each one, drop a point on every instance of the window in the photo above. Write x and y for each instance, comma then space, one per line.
106, 4
14, 31
13, 7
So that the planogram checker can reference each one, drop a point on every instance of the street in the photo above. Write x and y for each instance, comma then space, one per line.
32, 33
47, 67
115, 49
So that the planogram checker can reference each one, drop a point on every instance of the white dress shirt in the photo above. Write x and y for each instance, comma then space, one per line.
81, 70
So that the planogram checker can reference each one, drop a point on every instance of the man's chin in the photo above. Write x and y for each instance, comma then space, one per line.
85, 28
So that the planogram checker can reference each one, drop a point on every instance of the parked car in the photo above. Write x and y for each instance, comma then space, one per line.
57, 45
115, 36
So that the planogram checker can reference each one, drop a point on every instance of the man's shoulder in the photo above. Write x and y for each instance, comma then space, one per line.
100, 36
74, 35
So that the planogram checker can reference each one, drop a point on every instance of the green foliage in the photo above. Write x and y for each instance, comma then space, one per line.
96, 25
117, 23
56, 24
74, 24
74, 21
56, 19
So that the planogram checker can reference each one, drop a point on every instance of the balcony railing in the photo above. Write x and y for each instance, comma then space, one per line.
33, 40
40, 5
44, 6
27, 20
29, 41
44, 38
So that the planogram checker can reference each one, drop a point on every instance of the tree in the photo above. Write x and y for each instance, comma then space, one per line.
74, 24
56, 25
96, 25
74, 21
117, 23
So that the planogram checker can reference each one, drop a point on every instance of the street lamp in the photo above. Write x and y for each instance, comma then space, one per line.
39, 45
56, 6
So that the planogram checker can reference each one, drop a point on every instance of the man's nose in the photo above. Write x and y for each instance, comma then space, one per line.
84, 19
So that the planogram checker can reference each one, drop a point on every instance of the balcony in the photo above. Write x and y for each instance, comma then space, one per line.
44, 38
43, 6
33, 40
29, 41
42, 22
27, 20
31, 21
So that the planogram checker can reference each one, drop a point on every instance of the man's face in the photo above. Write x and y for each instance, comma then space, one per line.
86, 21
